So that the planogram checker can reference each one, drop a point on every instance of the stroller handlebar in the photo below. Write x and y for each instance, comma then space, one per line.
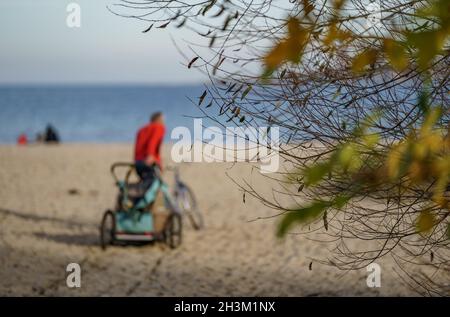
131, 167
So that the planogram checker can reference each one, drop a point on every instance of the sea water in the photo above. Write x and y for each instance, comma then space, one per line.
104, 114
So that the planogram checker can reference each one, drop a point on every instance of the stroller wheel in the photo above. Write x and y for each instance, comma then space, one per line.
173, 231
107, 229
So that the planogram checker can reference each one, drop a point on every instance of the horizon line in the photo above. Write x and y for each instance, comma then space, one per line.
98, 84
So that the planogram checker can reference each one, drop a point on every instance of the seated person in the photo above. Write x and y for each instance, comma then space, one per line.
51, 136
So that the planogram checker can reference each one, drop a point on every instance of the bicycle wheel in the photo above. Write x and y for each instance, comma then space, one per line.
107, 229
187, 202
173, 231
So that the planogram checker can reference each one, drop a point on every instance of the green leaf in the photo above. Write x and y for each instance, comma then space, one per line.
246, 91
346, 155
371, 139
423, 102
340, 201
315, 173
301, 216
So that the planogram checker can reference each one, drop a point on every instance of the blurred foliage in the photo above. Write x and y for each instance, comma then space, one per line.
421, 45
361, 98
422, 158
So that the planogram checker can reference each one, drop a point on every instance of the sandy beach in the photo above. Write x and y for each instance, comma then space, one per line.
51, 202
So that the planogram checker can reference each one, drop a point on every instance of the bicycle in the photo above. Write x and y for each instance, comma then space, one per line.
186, 201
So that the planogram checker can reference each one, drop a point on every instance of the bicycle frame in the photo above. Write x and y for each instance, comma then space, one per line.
179, 185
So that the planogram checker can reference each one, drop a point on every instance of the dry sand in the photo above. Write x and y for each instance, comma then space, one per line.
43, 228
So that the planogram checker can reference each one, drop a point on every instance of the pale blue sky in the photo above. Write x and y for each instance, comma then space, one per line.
38, 47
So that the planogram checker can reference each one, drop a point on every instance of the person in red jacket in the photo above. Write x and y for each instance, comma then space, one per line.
22, 139
147, 151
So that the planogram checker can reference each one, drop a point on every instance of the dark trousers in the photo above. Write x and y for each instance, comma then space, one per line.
145, 172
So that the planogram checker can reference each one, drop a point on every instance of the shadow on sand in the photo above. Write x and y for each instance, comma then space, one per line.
39, 218
85, 239
80, 239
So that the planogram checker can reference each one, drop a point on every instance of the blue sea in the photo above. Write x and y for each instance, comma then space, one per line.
104, 114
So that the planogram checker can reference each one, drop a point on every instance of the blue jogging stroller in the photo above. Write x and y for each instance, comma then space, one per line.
136, 217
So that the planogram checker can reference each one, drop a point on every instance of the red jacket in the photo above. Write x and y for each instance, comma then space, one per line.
148, 142
22, 139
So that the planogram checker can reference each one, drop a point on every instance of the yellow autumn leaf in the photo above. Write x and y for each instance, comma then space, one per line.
276, 56
335, 34
290, 48
338, 4
419, 150
296, 40
394, 160
428, 44
430, 120
395, 54
416, 171
434, 143
425, 221
307, 6
367, 57
439, 191
441, 166
440, 199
